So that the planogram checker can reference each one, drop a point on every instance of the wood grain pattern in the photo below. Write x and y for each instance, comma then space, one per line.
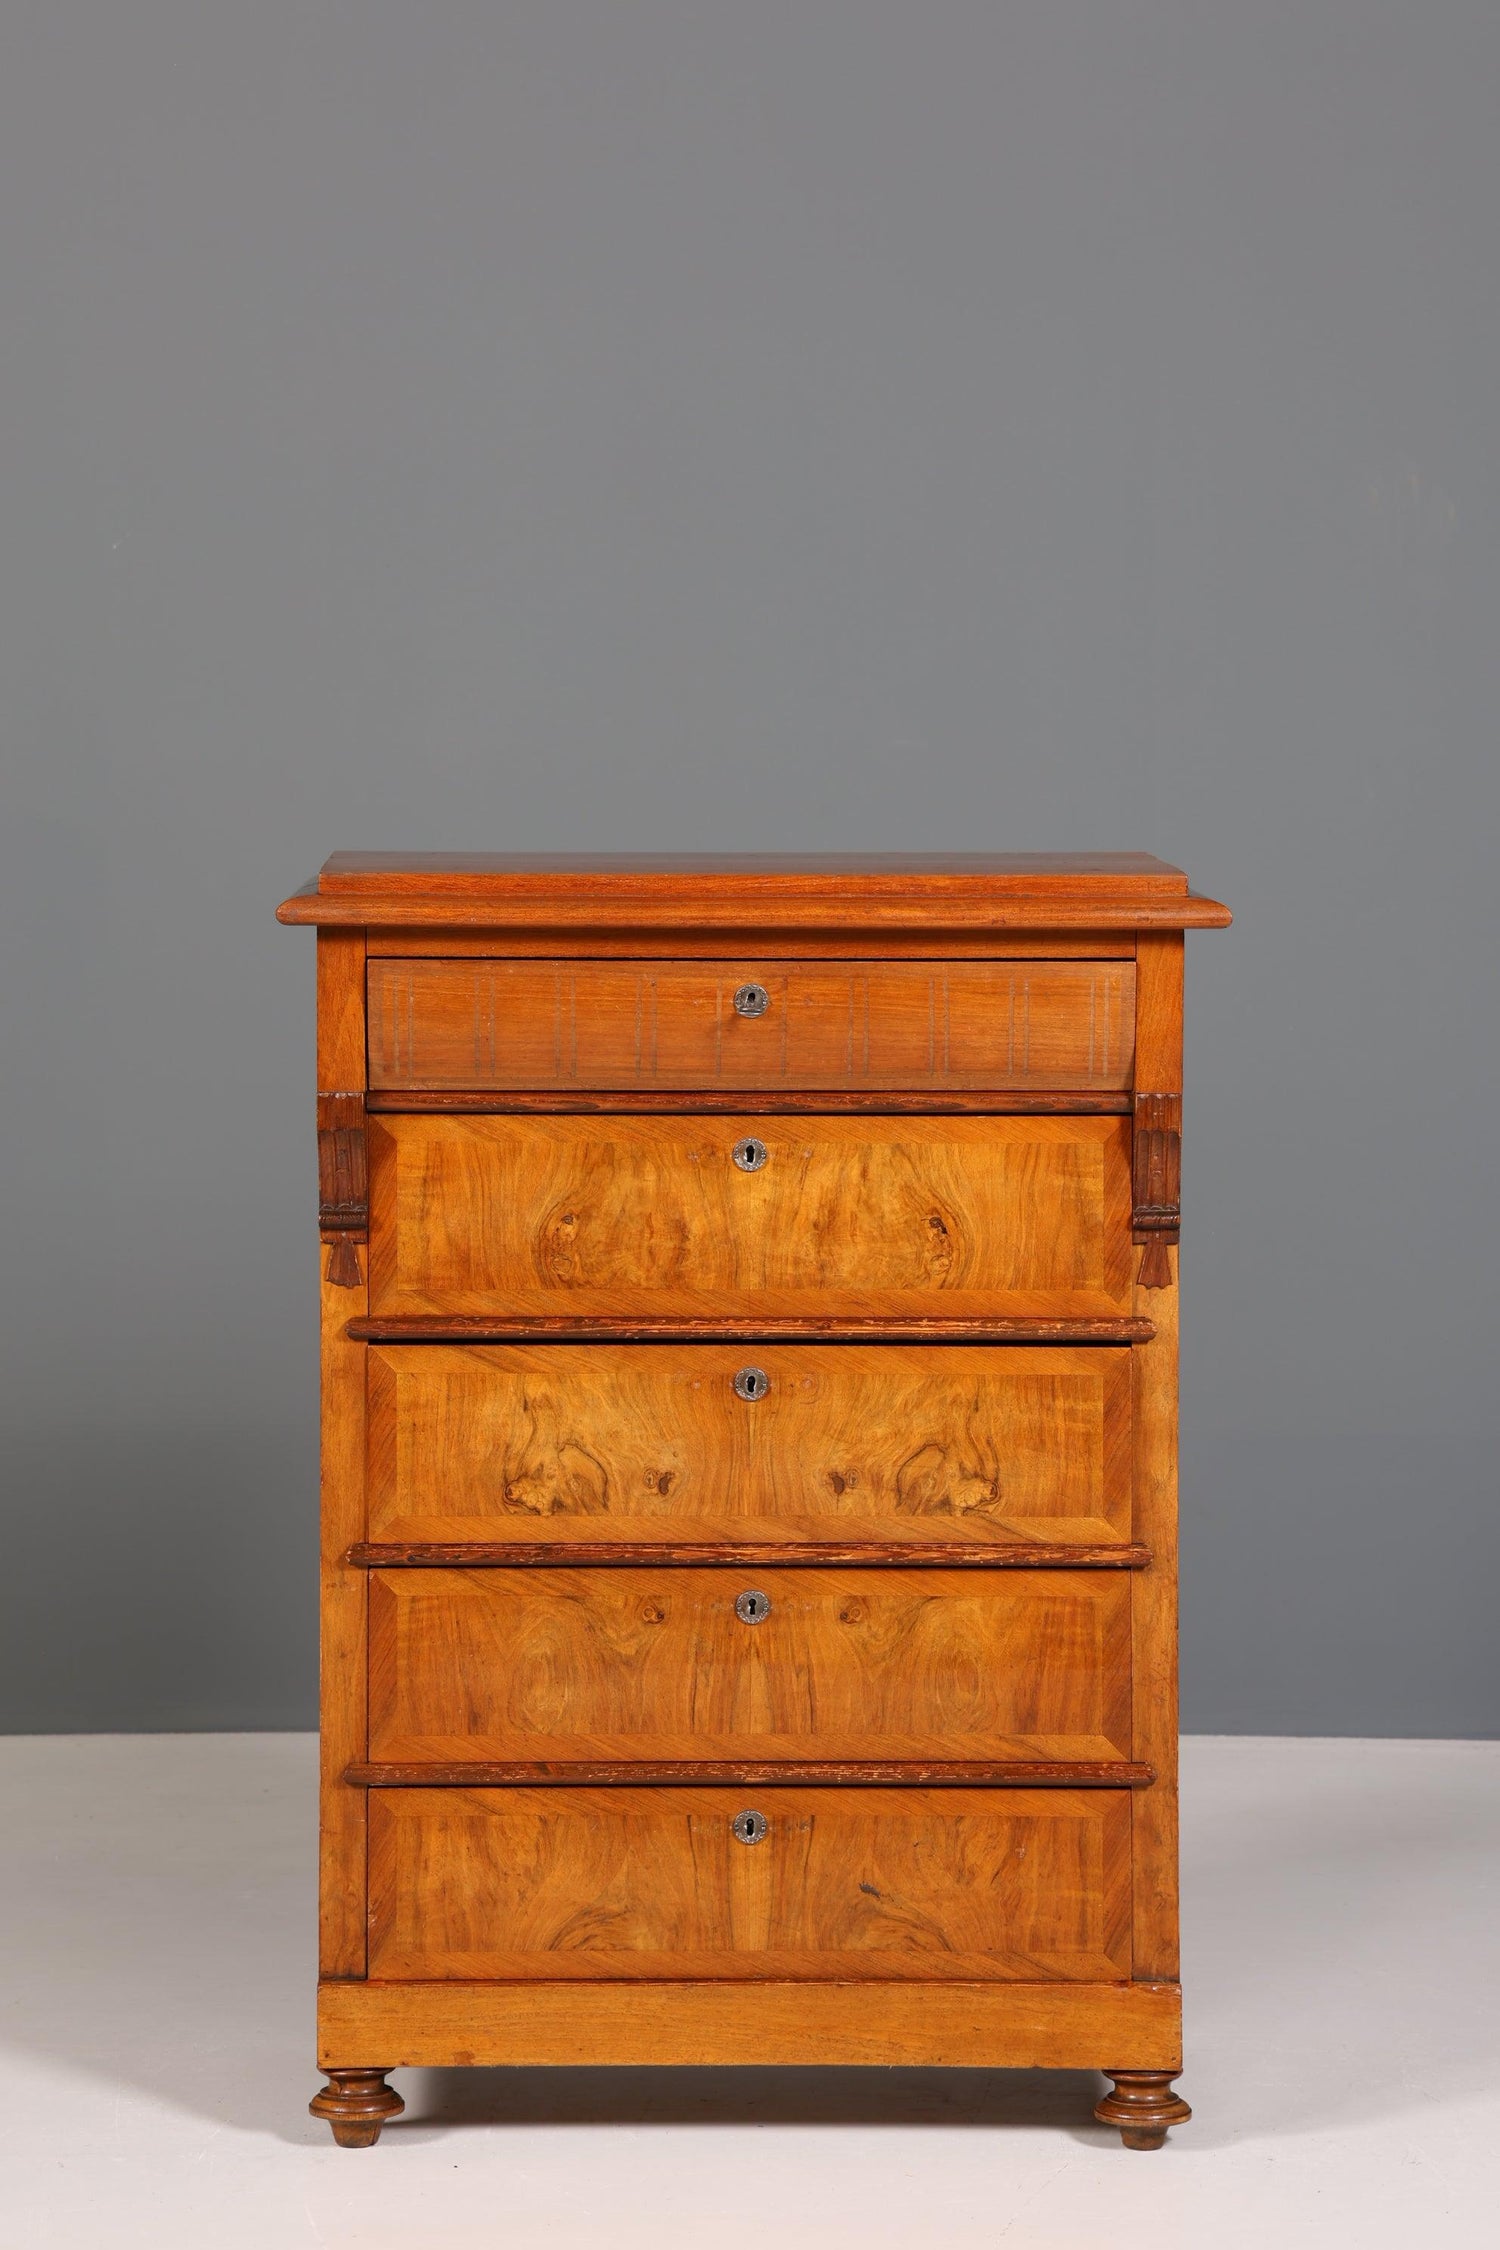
869, 1884
650, 1443
873, 892
341, 1879
1019, 2026
848, 1216
682, 1773
826, 1024
1154, 1592
555, 1664
512, 1554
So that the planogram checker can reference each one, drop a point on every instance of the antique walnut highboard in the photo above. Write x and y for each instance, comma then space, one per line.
749, 1368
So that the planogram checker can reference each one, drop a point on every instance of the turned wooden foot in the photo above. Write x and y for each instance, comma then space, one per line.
1143, 2105
356, 2104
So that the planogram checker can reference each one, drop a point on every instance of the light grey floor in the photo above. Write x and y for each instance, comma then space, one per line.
1342, 1943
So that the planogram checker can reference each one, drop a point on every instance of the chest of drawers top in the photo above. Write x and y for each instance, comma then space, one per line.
827, 896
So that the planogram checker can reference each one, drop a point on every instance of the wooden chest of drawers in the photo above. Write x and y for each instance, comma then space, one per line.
749, 1354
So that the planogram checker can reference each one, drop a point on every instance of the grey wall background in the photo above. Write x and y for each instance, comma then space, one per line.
809, 423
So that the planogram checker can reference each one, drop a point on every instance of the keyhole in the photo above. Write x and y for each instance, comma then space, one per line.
752, 1382
750, 1154
752, 1607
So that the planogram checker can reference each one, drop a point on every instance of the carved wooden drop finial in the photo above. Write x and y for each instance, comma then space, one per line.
1156, 1173
356, 2104
343, 1184
1143, 2105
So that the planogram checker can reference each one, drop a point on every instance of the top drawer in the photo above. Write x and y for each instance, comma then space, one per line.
817, 1026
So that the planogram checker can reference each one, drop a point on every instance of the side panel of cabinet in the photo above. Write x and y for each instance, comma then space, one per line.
342, 1606
1154, 1591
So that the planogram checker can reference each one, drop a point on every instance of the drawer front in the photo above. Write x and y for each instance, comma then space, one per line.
547, 1664
654, 1442
857, 1217
804, 1025
866, 1884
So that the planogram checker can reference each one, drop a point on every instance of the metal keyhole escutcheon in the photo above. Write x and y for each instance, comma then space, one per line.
751, 1827
752, 1607
751, 1382
750, 1154
751, 1000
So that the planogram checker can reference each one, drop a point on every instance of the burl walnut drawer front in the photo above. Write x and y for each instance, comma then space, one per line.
767, 1025
670, 1444
601, 1664
713, 1218
864, 1884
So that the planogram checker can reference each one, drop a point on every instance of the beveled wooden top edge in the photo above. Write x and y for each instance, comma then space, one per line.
960, 911
1104, 890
